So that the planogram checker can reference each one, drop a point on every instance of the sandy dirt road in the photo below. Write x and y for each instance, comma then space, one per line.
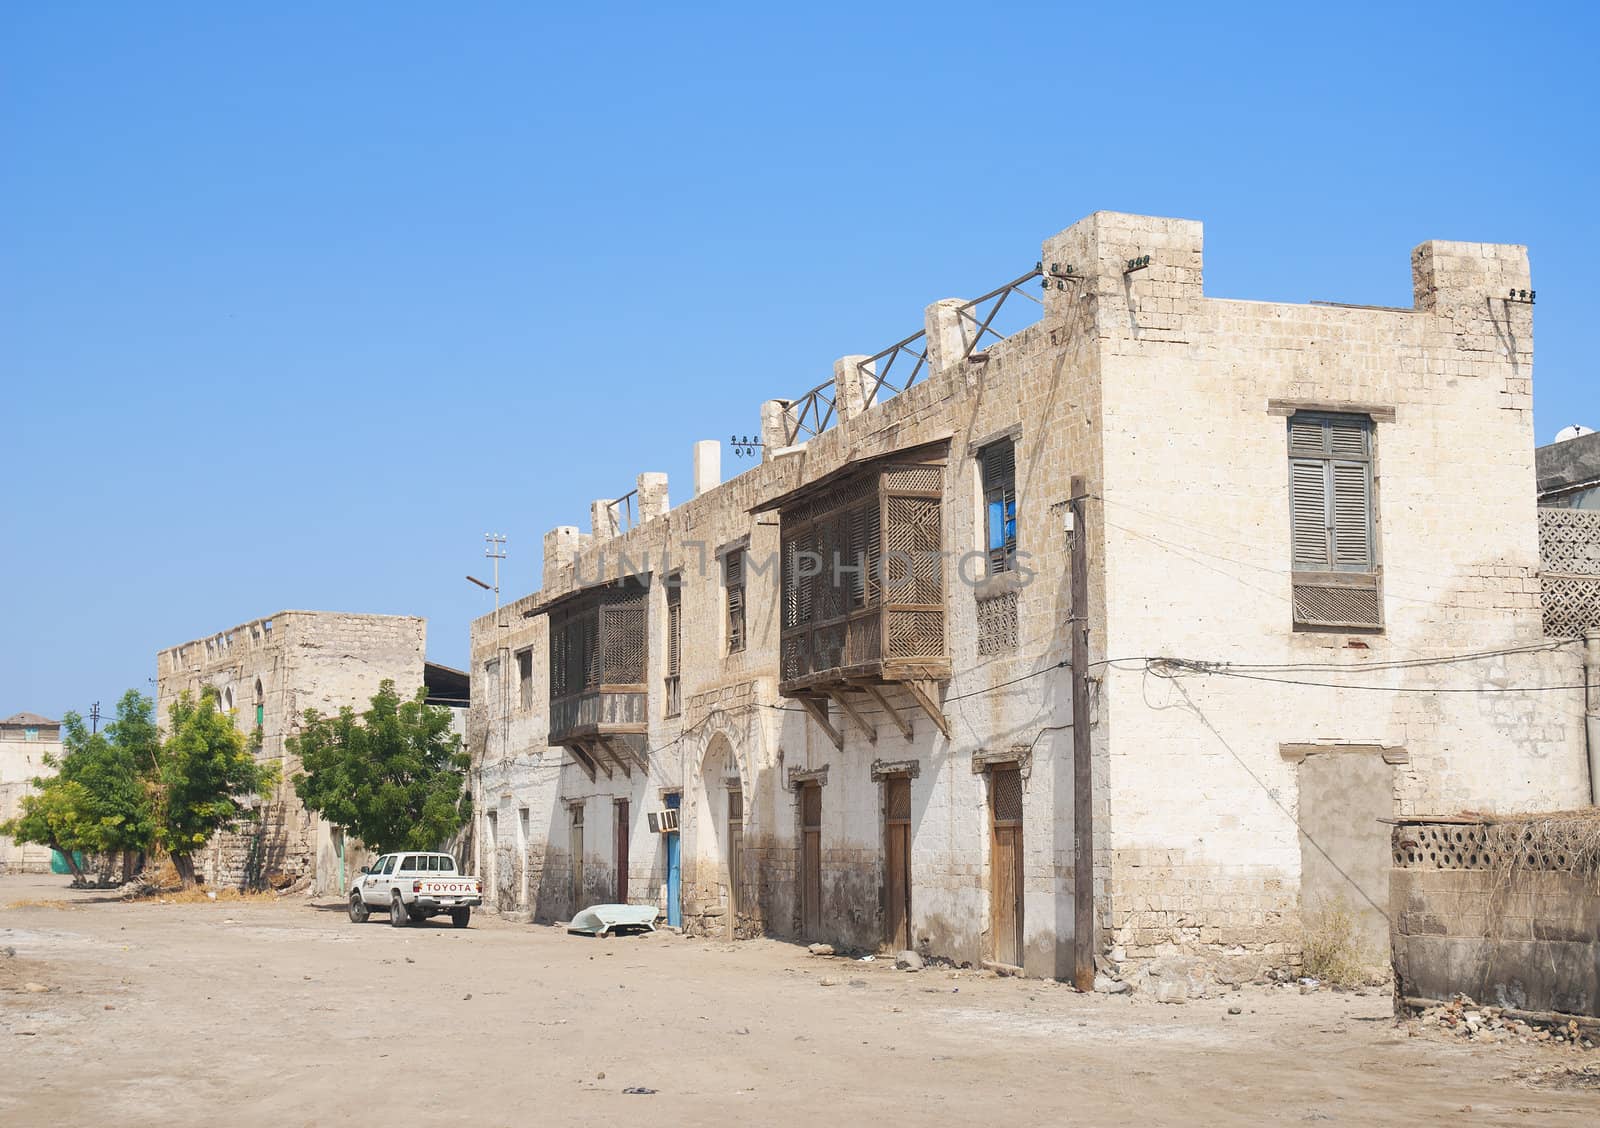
287, 1014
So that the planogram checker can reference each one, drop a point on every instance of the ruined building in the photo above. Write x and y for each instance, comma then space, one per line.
833, 698
267, 673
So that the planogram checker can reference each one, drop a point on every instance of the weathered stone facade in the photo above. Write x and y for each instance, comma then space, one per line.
267, 673
27, 740
1175, 408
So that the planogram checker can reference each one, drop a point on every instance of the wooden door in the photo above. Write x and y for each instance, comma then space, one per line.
735, 856
621, 848
1005, 864
575, 845
811, 861
674, 845
897, 862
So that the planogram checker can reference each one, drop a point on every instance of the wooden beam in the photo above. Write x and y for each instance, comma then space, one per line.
581, 758
614, 756
820, 715
851, 712
599, 761
901, 723
922, 693
623, 749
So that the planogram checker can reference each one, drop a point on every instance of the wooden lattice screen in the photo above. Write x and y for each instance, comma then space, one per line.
1569, 553
598, 639
863, 571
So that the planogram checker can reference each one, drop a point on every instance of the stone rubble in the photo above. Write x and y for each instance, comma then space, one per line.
1464, 1019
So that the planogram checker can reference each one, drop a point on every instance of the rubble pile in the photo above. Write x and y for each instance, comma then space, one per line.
1462, 1018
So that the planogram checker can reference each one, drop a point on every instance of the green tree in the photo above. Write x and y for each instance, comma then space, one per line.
393, 776
99, 801
52, 816
135, 730
206, 769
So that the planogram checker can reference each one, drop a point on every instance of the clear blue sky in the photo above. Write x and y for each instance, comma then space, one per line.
297, 301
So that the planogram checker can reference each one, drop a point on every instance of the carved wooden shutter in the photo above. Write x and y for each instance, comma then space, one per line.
733, 565
1308, 508
1332, 545
674, 626
1352, 515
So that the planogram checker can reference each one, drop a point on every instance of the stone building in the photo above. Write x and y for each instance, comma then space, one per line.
832, 698
1569, 470
26, 741
267, 673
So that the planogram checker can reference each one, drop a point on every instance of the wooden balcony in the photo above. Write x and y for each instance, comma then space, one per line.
598, 701
607, 711
864, 587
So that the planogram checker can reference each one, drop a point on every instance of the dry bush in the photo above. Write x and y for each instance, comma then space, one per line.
200, 895
1332, 949
1563, 841
160, 882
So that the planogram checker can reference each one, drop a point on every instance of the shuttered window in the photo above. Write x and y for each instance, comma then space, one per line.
733, 581
1332, 534
674, 702
525, 679
998, 467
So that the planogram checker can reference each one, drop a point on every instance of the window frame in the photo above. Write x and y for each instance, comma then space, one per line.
525, 695
1330, 580
997, 498
672, 676
735, 608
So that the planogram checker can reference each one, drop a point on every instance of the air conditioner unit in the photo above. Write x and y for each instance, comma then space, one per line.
663, 821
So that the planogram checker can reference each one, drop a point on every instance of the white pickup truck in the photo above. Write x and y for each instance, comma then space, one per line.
414, 886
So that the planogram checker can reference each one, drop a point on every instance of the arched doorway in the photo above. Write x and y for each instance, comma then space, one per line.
719, 836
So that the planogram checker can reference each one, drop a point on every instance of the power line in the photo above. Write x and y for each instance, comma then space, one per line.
1409, 663
1223, 671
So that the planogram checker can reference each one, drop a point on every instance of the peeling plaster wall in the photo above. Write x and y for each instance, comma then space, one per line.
1203, 803
1158, 396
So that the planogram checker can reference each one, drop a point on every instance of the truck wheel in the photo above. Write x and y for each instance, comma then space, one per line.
459, 917
358, 909
398, 916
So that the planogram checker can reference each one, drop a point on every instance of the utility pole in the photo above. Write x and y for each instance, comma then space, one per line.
1083, 917
94, 717
494, 548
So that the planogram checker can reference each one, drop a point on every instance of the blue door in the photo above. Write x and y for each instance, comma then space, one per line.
674, 875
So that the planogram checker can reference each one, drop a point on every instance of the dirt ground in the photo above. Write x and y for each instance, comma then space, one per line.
287, 1014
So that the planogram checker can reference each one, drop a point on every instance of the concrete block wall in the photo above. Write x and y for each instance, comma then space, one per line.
1526, 938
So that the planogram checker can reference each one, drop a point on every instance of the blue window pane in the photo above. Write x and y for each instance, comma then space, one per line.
998, 524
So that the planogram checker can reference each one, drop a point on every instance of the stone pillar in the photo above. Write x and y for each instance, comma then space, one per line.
946, 339
1155, 300
603, 519
652, 497
849, 390
707, 465
561, 547
1480, 294
775, 415
1446, 275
